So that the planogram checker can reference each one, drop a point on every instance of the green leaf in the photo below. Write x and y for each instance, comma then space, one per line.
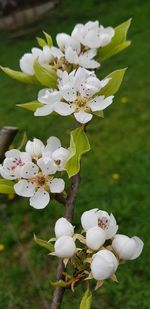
86, 301
31, 106
79, 145
60, 283
45, 75
48, 39
99, 114
118, 42
41, 42
44, 244
23, 141
20, 76
6, 186
114, 83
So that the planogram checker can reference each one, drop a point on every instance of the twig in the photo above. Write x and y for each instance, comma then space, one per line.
59, 198
7, 135
70, 203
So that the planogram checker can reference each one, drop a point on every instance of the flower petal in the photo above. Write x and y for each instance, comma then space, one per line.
83, 117
13, 153
64, 109
69, 93
40, 199
57, 185
29, 170
47, 166
139, 247
24, 188
100, 103
71, 56
44, 110
53, 143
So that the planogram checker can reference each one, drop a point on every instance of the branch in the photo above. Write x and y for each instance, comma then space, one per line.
70, 203
7, 135
59, 198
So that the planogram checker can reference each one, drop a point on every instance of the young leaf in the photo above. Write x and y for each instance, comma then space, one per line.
31, 106
23, 141
79, 145
99, 114
41, 42
86, 301
6, 186
114, 83
118, 42
44, 244
48, 39
20, 76
46, 76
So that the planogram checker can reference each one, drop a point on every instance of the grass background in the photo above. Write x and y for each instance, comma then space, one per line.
120, 144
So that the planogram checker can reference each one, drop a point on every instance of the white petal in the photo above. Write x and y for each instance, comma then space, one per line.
47, 96
47, 166
24, 188
26, 64
63, 108
139, 247
99, 103
44, 110
89, 219
62, 40
40, 199
71, 55
68, 93
4, 174
83, 117
53, 143
14, 153
57, 185
95, 237
56, 52
29, 170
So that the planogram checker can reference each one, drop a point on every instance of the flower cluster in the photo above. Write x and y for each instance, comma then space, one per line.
77, 94
98, 259
33, 170
77, 49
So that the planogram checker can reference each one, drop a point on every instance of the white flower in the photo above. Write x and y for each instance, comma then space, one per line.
65, 247
127, 248
95, 238
63, 227
93, 35
35, 148
95, 217
104, 265
27, 60
76, 95
14, 163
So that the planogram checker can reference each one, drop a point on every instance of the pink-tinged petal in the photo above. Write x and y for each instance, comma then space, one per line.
24, 188
44, 110
83, 117
29, 170
14, 153
40, 199
100, 103
57, 185
64, 109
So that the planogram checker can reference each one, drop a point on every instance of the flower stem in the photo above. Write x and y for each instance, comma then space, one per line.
70, 203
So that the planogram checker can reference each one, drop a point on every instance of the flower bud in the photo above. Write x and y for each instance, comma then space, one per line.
104, 264
89, 219
65, 247
35, 148
127, 248
63, 227
95, 238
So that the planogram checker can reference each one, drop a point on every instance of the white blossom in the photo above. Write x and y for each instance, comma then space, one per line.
93, 35
76, 95
95, 238
65, 247
63, 227
35, 148
104, 264
43, 56
127, 248
95, 217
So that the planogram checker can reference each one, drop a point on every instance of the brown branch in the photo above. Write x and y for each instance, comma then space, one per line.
59, 198
70, 203
7, 135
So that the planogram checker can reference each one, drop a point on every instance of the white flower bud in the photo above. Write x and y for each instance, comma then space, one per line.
35, 148
63, 227
104, 264
127, 248
65, 247
95, 238
89, 219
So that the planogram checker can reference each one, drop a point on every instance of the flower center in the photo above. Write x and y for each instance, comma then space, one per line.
57, 162
103, 223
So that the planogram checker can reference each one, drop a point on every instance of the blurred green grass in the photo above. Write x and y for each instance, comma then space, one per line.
120, 144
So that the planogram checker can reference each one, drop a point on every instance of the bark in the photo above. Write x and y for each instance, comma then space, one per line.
70, 203
7, 135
